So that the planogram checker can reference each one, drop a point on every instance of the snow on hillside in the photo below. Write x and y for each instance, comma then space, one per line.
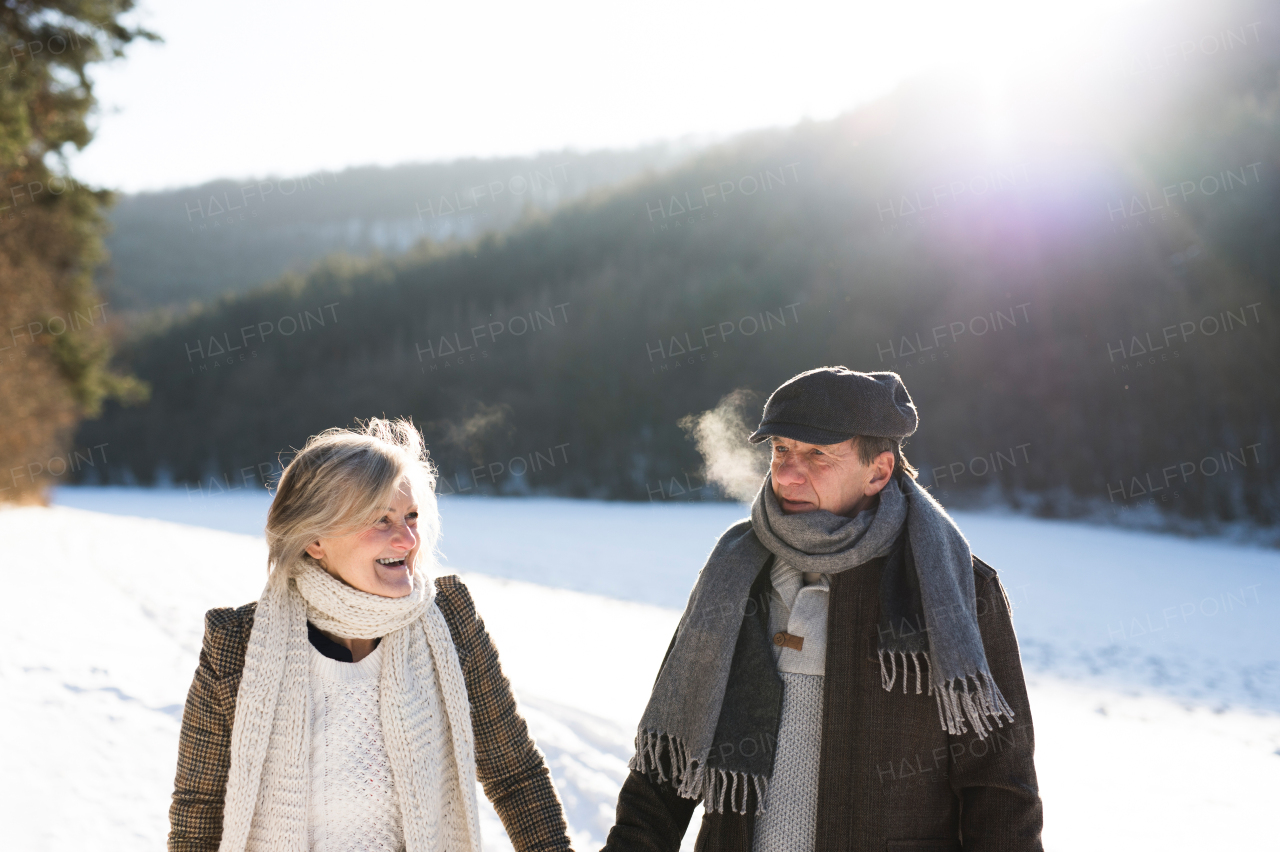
94, 680
1157, 716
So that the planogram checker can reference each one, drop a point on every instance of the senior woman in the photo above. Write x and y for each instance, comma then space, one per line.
356, 703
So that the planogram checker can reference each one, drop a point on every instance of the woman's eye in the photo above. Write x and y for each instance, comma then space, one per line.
411, 517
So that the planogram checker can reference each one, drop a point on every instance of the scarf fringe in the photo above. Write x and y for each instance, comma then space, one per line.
693, 779
889, 674
978, 705
960, 704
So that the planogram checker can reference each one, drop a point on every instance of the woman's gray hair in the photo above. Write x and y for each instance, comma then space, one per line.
341, 482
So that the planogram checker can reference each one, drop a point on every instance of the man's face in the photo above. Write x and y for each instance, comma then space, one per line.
808, 477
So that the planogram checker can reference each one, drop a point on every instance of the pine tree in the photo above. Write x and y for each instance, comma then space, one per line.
54, 328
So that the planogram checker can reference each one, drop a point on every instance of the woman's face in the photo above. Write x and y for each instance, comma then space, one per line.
380, 559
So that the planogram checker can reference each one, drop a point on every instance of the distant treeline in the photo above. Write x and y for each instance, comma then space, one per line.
172, 248
1082, 309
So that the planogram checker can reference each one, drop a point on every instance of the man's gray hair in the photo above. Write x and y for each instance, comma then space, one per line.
869, 446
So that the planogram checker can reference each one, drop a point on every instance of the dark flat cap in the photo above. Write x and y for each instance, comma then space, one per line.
833, 404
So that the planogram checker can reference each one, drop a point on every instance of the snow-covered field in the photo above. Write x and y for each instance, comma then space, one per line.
1154, 662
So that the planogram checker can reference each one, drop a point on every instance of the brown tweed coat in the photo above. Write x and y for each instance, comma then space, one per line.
890, 777
508, 764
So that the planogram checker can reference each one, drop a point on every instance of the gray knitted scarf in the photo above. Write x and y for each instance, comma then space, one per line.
712, 718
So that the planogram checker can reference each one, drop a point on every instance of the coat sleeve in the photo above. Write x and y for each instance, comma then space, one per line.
995, 778
651, 816
508, 763
204, 744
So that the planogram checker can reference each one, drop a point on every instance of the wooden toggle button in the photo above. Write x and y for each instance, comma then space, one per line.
786, 640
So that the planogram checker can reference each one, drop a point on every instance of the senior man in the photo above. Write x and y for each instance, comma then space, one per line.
845, 675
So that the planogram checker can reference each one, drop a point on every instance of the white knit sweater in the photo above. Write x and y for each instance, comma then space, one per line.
353, 799
789, 821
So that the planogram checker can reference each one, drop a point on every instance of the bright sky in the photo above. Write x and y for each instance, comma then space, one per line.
251, 88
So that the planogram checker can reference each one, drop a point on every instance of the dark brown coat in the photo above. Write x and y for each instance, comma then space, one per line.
508, 764
890, 777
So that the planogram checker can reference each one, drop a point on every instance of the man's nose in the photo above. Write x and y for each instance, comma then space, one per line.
788, 472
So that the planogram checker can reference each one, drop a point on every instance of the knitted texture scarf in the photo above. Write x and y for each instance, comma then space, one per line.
928, 621
423, 704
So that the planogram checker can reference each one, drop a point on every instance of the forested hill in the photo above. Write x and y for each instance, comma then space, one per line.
171, 248
1058, 274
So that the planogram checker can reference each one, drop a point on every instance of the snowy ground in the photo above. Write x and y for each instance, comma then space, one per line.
1154, 662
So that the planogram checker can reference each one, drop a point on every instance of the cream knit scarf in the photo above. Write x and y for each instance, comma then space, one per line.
423, 700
